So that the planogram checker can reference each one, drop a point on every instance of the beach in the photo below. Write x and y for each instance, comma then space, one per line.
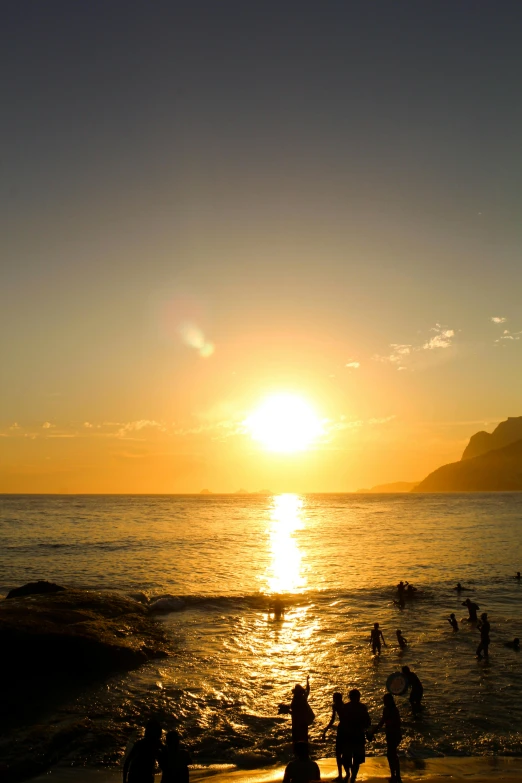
375, 770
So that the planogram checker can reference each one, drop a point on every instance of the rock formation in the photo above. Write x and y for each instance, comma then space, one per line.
499, 470
506, 432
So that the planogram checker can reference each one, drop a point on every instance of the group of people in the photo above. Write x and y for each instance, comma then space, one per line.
140, 763
353, 730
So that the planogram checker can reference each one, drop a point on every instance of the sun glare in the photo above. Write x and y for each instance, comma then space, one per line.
284, 423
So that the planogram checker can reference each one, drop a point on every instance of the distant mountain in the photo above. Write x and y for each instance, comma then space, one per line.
499, 470
396, 486
507, 432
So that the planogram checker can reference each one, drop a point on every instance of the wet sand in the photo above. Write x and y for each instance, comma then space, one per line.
475, 769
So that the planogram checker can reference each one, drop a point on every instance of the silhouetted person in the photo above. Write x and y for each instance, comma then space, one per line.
410, 591
514, 645
472, 610
302, 769
356, 721
391, 720
452, 620
301, 712
375, 639
174, 760
140, 764
277, 608
401, 588
517, 576
458, 588
402, 642
484, 628
337, 710
417, 689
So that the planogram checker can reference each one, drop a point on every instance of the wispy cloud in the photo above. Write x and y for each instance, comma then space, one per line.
136, 426
353, 365
498, 319
402, 355
507, 335
46, 425
441, 339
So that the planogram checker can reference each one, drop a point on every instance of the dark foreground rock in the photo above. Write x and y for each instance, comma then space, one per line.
84, 633
41, 587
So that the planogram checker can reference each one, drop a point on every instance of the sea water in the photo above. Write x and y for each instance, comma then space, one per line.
335, 559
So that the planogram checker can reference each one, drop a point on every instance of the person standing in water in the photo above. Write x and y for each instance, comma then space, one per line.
417, 689
277, 608
517, 576
356, 722
391, 720
402, 642
452, 620
484, 628
302, 714
472, 610
337, 709
375, 639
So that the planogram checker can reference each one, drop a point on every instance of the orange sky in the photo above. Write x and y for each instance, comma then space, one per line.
201, 208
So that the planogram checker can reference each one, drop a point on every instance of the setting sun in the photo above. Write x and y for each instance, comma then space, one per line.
284, 423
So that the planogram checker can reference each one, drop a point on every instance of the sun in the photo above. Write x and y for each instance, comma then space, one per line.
284, 423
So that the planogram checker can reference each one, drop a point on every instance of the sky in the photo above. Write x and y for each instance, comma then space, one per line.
203, 204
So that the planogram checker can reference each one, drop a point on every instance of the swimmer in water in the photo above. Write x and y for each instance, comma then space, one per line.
375, 639
402, 642
517, 576
452, 620
514, 645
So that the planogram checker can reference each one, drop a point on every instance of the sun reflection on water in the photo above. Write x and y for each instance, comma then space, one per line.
284, 571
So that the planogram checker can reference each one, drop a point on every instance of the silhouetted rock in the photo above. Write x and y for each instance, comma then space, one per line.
495, 471
506, 432
80, 633
41, 587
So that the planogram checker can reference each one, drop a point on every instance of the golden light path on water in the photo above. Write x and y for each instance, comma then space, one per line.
284, 573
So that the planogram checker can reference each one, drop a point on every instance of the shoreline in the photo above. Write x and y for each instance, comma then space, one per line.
476, 768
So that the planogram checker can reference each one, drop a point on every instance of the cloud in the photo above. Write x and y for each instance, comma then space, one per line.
137, 426
441, 339
46, 425
498, 319
193, 336
402, 355
507, 335
353, 365
87, 425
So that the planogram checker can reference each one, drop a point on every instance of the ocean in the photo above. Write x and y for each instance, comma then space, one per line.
335, 559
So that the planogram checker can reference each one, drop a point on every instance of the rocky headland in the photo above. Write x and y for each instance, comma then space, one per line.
491, 462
